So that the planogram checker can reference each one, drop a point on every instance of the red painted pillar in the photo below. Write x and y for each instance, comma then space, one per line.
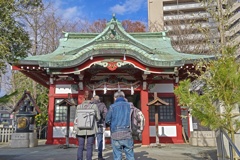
80, 96
50, 114
144, 108
178, 119
178, 123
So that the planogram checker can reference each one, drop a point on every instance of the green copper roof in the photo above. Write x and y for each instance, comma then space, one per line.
151, 49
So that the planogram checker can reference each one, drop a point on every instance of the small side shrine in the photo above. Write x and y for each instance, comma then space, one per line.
68, 102
139, 64
25, 111
156, 103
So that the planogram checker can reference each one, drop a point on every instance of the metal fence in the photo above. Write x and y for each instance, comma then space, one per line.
231, 152
5, 134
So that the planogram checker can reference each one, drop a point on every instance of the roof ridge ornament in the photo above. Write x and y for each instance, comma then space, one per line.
114, 20
66, 36
114, 17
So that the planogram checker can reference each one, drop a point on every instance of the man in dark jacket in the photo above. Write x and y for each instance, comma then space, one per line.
103, 111
118, 118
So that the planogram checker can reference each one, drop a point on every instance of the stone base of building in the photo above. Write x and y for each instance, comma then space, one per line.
203, 138
24, 140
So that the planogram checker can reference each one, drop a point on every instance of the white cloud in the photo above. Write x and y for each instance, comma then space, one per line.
68, 12
129, 6
118, 9
71, 13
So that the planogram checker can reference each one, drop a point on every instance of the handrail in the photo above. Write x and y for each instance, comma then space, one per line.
231, 145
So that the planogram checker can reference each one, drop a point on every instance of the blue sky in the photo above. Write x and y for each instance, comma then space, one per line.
135, 10
91, 10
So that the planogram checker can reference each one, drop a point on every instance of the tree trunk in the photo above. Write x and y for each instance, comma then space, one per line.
39, 132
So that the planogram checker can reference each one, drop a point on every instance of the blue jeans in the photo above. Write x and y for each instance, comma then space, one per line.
81, 143
125, 145
100, 144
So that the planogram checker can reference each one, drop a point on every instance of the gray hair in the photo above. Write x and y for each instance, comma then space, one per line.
96, 97
119, 94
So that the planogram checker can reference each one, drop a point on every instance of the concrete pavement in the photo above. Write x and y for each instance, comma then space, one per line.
56, 152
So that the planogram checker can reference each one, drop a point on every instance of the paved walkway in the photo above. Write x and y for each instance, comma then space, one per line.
56, 152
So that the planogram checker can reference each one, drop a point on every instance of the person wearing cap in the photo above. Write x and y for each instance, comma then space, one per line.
118, 118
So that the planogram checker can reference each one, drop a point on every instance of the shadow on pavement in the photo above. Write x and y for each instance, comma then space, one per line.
7, 157
210, 154
192, 156
207, 155
143, 155
139, 155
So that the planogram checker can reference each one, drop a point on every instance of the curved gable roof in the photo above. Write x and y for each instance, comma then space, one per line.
151, 49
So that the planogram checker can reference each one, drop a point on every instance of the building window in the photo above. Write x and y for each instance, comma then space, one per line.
165, 113
5, 115
60, 114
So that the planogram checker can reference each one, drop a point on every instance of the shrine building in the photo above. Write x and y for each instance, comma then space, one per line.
140, 64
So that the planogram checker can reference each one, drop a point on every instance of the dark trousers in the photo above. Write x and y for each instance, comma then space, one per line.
100, 144
81, 143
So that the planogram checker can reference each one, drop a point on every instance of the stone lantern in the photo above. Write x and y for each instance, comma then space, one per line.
25, 118
25, 135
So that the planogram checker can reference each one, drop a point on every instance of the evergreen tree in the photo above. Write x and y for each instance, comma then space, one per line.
14, 40
216, 103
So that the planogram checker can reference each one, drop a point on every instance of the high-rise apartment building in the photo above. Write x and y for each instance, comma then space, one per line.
183, 19
233, 33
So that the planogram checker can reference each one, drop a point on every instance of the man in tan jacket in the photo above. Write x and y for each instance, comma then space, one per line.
88, 134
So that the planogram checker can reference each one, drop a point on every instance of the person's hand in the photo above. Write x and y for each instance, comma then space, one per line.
74, 134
